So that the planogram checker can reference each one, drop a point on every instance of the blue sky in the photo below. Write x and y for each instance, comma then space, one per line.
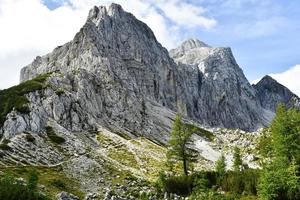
263, 34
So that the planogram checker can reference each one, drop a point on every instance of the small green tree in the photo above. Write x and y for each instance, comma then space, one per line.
221, 169
237, 159
221, 166
179, 142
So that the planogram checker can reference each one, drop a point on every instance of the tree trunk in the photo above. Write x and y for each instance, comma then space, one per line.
185, 167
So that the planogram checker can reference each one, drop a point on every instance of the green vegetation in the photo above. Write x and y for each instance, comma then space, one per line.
14, 189
14, 97
280, 178
52, 178
29, 138
4, 145
60, 91
221, 168
237, 160
53, 137
201, 132
179, 151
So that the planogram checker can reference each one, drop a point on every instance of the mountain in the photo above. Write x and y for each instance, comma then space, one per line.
271, 93
97, 111
116, 74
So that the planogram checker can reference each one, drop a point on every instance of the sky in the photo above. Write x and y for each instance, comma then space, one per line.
263, 34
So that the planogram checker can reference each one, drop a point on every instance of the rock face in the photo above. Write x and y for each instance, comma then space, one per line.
221, 94
114, 73
271, 93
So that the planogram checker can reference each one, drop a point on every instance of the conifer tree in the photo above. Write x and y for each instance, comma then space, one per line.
237, 160
179, 142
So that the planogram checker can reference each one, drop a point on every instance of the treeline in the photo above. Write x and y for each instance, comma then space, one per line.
279, 149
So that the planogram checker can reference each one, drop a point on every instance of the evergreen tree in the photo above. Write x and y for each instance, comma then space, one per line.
179, 150
237, 159
221, 165
221, 169
280, 177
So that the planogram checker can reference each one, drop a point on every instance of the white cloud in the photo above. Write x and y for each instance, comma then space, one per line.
290, 79
29, 28
186, 14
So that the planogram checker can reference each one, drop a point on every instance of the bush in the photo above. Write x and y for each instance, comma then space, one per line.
29, 138
60, 91
5, 147
244, 182
180, 185
12, 189
53, 137
58, 184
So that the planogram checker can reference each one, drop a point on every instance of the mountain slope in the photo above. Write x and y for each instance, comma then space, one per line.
271, 93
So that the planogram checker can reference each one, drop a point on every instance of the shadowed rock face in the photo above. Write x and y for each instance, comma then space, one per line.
271, 93
114, 73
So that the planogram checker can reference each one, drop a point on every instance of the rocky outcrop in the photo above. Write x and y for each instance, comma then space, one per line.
271, 93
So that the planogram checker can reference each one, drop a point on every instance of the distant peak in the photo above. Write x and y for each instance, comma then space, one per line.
267, 78
192, 44
101, 11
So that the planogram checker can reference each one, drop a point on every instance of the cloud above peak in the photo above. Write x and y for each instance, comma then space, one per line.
38, 26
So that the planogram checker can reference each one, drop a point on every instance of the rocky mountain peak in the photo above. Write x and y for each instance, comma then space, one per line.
271, 93
192, 44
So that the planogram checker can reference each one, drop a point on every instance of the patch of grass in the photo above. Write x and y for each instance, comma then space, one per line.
14, 97
201, 132
53, 178
123, 156
60, 91
53, 137
4, 145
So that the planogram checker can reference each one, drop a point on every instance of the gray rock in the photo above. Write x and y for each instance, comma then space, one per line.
271, 93
66, 196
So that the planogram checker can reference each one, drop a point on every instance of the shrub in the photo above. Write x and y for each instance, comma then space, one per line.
180, 185
244, 182
5, 147
58, 184
53, 137
60, 91
29, 138
12, 189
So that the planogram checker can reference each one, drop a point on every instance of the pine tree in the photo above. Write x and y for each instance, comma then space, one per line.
237, 160
221, 166
221, 169
179, 150
280, 177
